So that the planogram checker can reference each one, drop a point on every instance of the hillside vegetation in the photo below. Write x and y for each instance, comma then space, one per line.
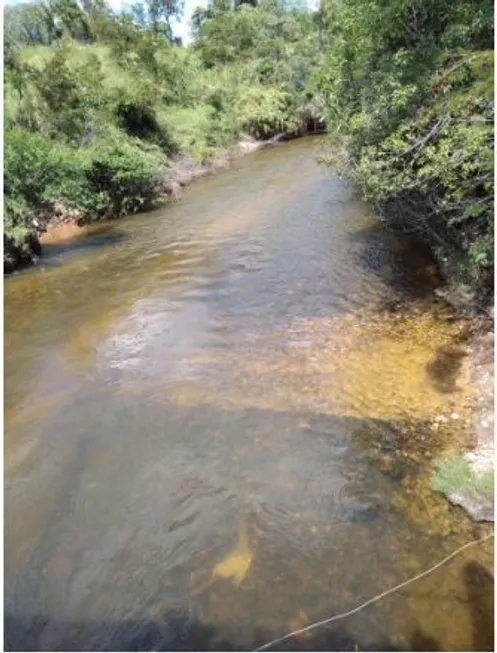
100, 106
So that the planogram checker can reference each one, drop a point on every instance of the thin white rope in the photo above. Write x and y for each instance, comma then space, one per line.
375, 598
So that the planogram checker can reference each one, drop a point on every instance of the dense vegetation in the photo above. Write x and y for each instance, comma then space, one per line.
101, 105
409, 97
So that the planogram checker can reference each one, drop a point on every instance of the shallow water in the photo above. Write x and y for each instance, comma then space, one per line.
219, 425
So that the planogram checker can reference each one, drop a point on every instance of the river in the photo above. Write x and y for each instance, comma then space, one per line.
220, 420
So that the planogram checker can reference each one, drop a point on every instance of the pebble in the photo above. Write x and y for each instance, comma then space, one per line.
484, 424
455, 416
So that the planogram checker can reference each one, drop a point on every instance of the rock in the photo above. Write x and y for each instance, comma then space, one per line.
361, 511
185, 178
479, 507
171, 187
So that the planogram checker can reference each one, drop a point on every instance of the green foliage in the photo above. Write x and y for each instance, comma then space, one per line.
20, 238
224, 37
20, 247
122, 181
409, 104
193, 130
30, 165
16, 213
138, 119
109, 178
263, 112
434, 173
98, 103
26, 24
63, 94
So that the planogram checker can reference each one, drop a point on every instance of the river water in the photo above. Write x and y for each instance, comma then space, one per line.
220, 425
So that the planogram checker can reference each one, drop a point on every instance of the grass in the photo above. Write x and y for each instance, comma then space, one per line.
454, 474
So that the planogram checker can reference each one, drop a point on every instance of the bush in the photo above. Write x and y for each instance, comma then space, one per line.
110, 178
38, 170
434, 174
122, 179
195, 131
264, 112
409, 89
30, 165
16, 213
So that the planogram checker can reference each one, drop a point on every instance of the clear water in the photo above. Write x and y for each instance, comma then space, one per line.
218, 428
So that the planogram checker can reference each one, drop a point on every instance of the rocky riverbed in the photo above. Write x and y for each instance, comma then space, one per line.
467, 478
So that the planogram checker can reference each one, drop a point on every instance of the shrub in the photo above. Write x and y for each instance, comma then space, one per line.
264, 112
16, 213
122, 178
109, 178
195, 131
433, 174
30, 165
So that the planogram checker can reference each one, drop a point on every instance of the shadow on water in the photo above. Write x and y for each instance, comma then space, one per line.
480, 590
444, 370
96, 238
176, 632
399, 260
179, 630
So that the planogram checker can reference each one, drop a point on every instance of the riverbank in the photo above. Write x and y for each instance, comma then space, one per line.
466, 476
185, 170
57, 223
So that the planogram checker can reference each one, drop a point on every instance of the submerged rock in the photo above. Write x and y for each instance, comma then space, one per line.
236, 565
477, 505
361, 511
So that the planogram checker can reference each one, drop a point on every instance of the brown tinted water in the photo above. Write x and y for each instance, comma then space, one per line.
219, 426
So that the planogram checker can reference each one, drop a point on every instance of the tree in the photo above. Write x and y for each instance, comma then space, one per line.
30, 24
160, 14
72, 18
